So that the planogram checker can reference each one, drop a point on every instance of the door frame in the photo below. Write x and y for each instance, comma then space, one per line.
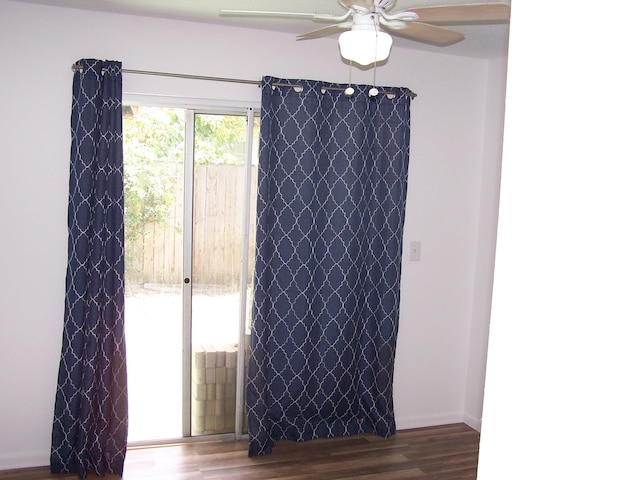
193, 106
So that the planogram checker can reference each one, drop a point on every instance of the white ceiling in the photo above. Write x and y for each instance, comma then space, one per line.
482, 41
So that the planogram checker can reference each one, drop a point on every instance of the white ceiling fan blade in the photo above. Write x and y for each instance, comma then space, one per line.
424, 32
468, 13
368, 4
325, 32
266, 13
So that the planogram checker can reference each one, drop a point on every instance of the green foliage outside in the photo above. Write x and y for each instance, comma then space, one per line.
154, 158
220, 139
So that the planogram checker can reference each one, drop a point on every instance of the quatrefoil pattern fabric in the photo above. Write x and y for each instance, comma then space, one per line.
332, 188
90, 419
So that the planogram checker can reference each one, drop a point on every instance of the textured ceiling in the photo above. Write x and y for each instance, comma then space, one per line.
482, 41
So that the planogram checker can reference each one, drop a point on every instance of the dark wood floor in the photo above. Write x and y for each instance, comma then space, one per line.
448, 452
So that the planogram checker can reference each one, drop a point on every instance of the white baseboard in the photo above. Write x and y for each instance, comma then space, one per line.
406, 423
24, 460
473, 422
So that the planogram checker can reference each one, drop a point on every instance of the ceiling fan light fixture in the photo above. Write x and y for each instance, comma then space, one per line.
365, 46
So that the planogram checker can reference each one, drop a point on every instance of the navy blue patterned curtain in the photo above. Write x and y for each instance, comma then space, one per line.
90, 419
331, 205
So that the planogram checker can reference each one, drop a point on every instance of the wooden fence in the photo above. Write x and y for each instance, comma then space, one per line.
218, 224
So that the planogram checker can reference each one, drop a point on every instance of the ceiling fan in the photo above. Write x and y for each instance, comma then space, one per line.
366, 23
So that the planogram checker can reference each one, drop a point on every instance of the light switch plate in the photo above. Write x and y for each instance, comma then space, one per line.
415, 251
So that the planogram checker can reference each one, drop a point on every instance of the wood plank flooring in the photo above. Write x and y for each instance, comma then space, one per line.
448, 452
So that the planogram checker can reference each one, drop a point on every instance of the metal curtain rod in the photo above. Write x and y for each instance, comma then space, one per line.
76, 67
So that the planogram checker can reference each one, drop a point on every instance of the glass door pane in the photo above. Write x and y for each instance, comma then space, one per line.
219, 268
153, 181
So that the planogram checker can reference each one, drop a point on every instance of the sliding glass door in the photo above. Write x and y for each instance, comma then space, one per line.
190, 182
219, 288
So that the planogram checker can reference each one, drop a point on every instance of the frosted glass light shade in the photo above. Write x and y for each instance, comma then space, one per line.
363, 47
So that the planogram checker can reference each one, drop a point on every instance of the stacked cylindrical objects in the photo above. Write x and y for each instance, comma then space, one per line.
214, 389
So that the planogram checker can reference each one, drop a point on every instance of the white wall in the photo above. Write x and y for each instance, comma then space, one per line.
487, 220
563, 390
449, 194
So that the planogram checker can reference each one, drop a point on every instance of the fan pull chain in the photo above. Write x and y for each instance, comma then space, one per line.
373, 91
349, 91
